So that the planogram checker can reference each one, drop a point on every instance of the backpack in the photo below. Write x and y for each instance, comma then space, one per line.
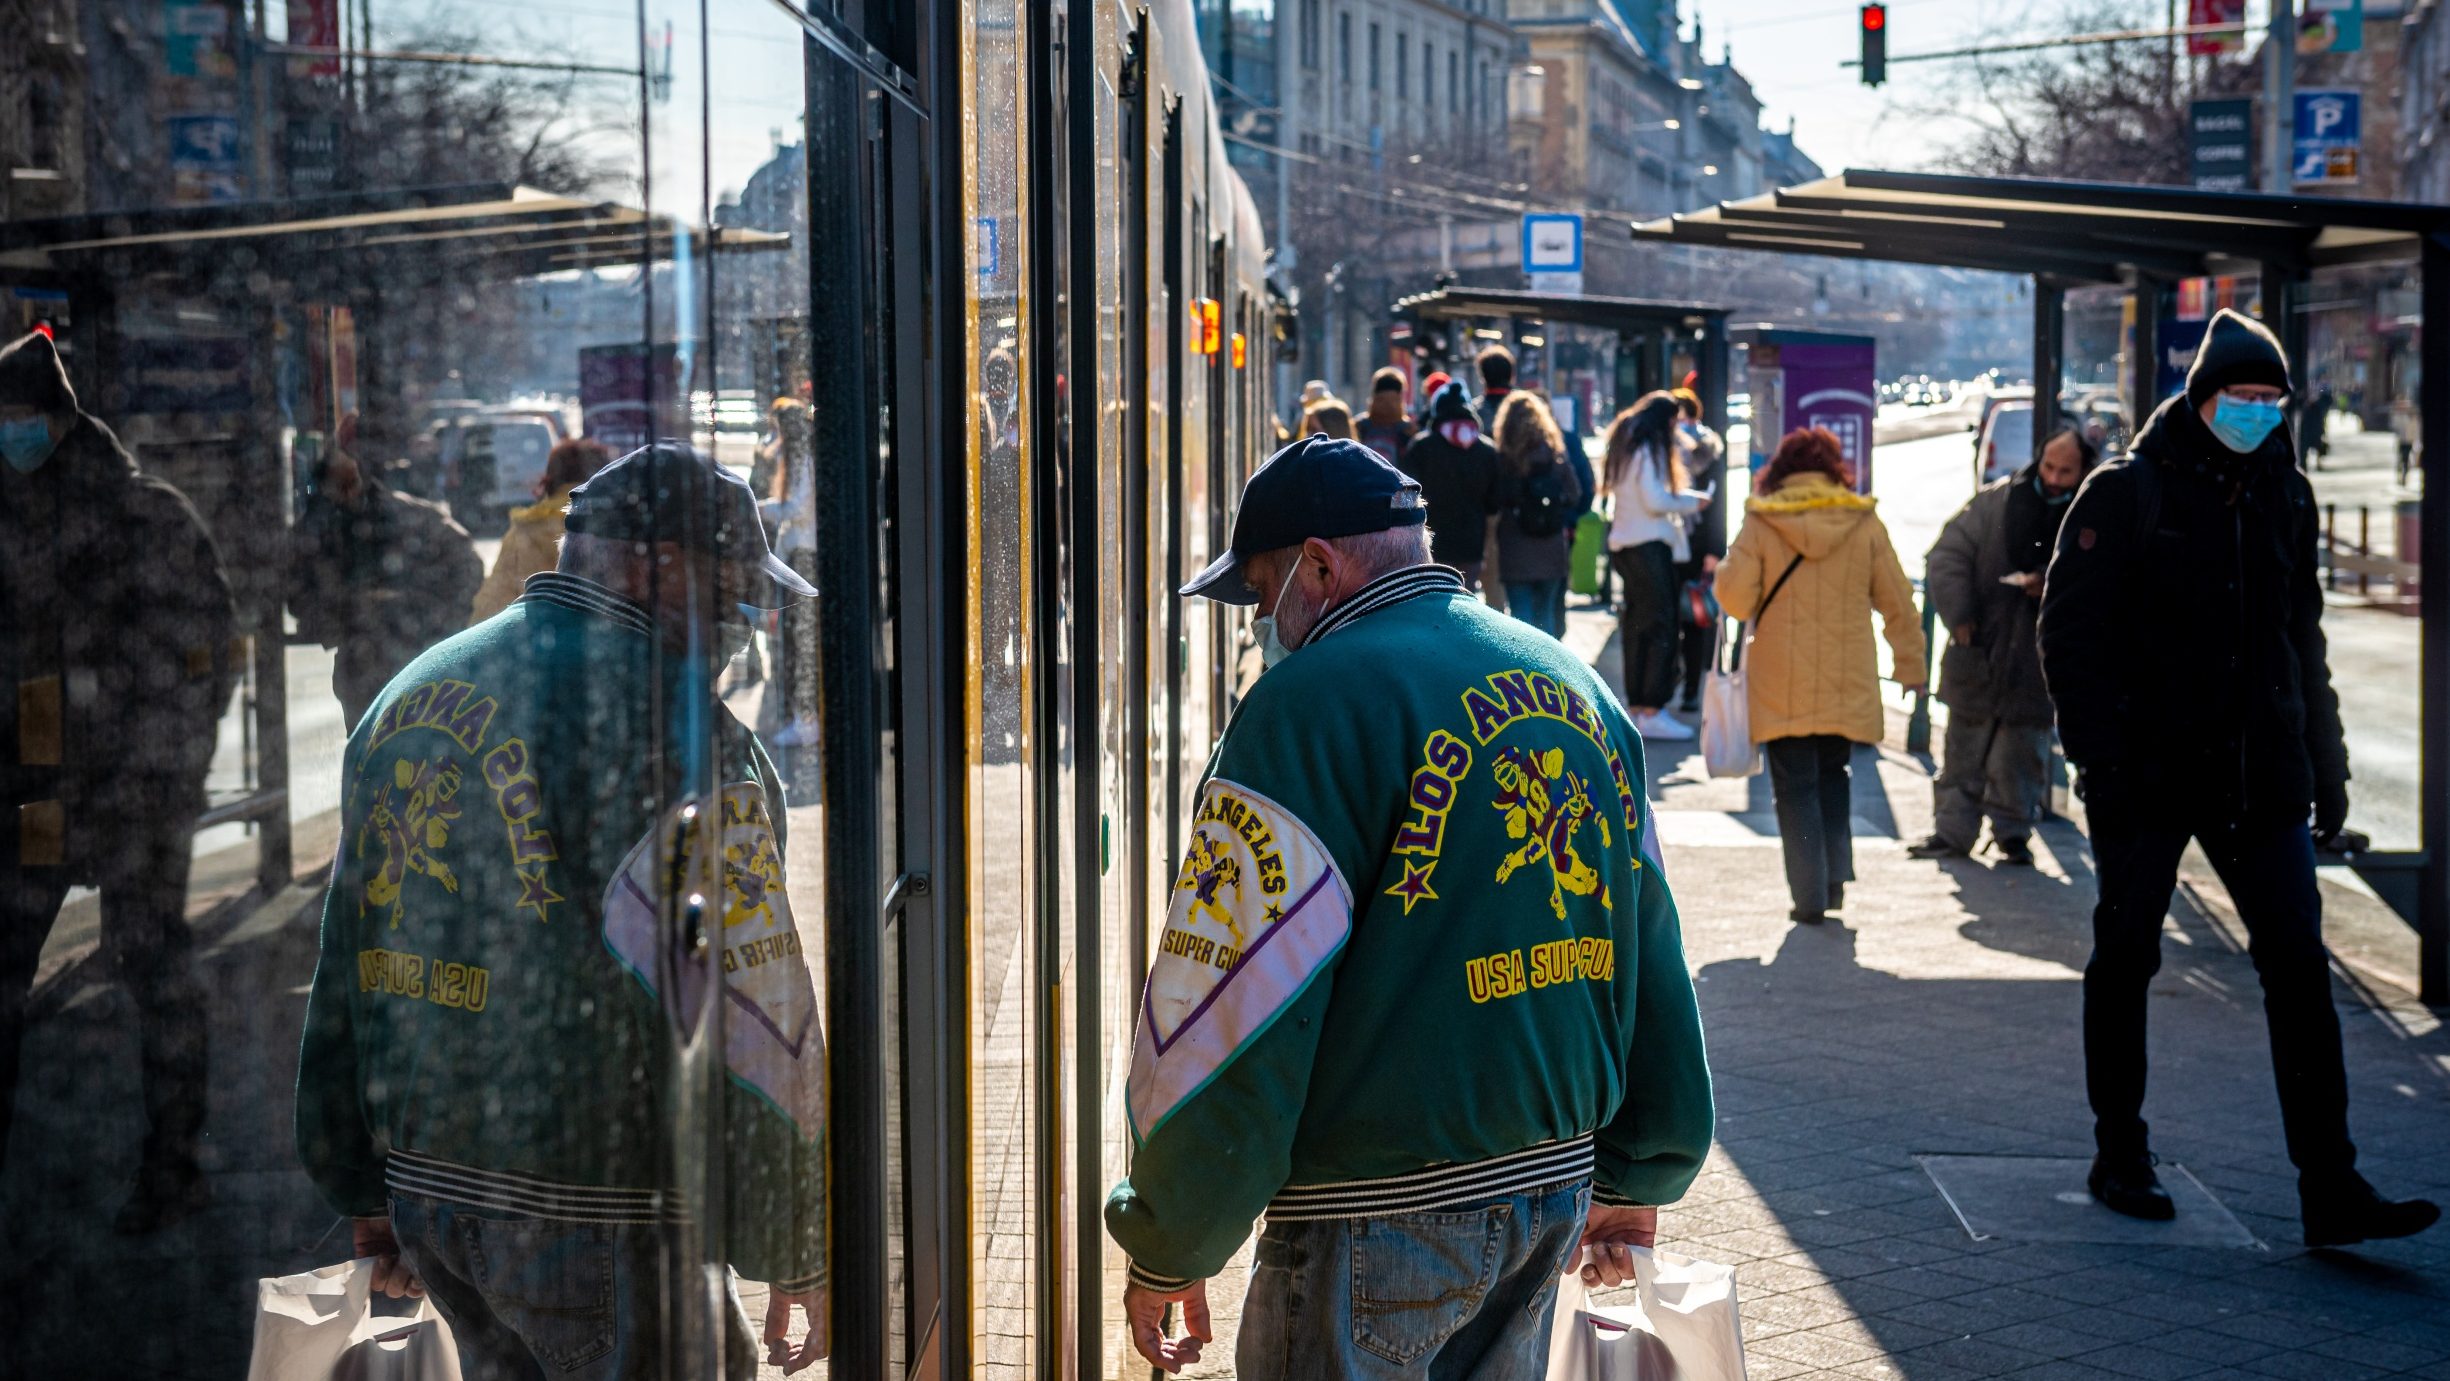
1543, 509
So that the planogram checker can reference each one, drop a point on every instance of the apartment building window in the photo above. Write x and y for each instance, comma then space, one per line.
1344, 50
1310, 35
1403, 67
1373, 55
1454, 82
1429, 76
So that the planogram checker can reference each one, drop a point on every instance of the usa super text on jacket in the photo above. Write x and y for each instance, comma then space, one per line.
1551, 964
397, 973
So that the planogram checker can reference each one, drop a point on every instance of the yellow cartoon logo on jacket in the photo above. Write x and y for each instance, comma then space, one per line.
409, 822
1209, 873
1544, 804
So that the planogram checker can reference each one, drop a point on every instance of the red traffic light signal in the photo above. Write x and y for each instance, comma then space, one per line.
1875, 17
1875, 44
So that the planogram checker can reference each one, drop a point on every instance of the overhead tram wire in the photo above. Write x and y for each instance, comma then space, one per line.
2071, 41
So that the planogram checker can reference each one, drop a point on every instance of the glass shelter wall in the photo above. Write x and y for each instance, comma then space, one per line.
385, 873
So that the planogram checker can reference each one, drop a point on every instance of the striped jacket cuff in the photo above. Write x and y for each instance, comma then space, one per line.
1164, 1285
1613, 1199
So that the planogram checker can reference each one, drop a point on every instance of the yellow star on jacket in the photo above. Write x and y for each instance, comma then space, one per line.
1414, 887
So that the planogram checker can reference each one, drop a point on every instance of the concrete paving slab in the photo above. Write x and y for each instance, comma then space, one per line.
2043, 1199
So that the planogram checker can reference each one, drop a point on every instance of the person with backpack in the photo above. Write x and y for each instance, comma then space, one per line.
1384, 428
2181, 639
1457, 470
1811, 565
1705, 463
1646, 540
1534, 525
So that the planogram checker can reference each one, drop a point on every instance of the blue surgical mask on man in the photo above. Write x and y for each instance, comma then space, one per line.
26, 443
2242, 424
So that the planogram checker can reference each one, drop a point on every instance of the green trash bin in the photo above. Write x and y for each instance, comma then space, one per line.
1589, 571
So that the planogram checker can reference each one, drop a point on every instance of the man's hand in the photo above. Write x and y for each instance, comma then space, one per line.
1609, 1236
1962, 635
373, 1237
779, 1351
2032, 583
1144, 1310
1709, 564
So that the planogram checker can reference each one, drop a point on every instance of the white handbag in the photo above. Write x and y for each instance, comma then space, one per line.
320, 1326
1682, 1325
1727, 749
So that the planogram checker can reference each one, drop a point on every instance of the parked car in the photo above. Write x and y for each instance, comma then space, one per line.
491, 459
2007, 441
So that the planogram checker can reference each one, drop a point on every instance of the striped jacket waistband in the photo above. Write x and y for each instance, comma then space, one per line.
1439, 1186
408, 1172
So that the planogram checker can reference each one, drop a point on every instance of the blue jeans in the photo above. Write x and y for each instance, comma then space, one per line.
1540, 603
532, 1298
1449, 1295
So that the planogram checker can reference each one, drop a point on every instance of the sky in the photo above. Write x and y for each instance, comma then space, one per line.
1790, 49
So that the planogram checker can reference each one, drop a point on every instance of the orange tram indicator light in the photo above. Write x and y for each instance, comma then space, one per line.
1241, 350
1207, 325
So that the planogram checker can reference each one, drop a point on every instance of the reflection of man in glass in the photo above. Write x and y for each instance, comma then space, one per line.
512, 949
116, 630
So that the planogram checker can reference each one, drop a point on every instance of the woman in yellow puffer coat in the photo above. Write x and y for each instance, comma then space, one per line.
533, 541
1812, 675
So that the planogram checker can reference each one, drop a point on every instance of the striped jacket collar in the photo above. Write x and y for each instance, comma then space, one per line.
588, 597
1386, 592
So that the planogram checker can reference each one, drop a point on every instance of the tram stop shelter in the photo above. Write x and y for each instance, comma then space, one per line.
1646, 332
2068, 234
217, 339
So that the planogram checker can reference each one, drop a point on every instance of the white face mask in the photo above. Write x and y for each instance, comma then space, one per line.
1272, 647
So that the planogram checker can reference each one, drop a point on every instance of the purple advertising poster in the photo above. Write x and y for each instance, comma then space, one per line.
1829, 384
619, 387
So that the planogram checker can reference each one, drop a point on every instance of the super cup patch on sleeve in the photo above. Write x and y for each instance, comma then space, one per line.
771, 1038
1257, 911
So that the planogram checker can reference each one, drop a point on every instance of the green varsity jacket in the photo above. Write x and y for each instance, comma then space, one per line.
1420, 952
501, 987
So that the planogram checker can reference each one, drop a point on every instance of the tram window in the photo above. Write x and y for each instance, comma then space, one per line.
430, 733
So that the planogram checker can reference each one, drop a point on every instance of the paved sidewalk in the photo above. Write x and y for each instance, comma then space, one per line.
1939, 1015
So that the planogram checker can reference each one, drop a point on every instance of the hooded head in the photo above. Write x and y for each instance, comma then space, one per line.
38, 407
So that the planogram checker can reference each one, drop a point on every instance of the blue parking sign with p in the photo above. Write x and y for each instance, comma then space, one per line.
2329, 137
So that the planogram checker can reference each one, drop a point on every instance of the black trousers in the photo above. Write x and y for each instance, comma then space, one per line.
148, 944
1646, 624
1693, 645
1814, 792
2268, 868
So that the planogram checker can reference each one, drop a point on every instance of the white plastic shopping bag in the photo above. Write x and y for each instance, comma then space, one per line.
1727, 748
320, 1326
1681, 1326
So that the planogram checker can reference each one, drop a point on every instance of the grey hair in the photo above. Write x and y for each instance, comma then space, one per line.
1376, 553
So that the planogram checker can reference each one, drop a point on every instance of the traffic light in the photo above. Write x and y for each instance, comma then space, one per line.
1875, 44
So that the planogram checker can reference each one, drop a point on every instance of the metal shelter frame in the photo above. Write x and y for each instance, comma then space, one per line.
1641, 323
2146, 239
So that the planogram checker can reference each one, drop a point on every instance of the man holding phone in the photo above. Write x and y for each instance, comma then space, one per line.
1984, 578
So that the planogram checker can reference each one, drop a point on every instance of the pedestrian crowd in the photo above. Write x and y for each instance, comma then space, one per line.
1465, 895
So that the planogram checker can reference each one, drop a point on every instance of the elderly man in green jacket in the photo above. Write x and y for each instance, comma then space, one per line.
1421, 997
486, 1085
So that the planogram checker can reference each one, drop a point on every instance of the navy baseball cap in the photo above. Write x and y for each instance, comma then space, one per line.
1317, 487
671, 492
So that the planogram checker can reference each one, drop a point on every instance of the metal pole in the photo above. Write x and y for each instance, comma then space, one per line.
2049, 319
2279, 96
2433, 609
2144, 370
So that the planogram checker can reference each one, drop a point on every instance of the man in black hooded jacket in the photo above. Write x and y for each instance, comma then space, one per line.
2181, 638
117, 638
1459, 477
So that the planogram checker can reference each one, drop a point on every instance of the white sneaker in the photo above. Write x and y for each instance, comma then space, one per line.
1657, 724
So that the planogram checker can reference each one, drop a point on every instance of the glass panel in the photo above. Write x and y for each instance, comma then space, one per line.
1003, 955
321, 713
